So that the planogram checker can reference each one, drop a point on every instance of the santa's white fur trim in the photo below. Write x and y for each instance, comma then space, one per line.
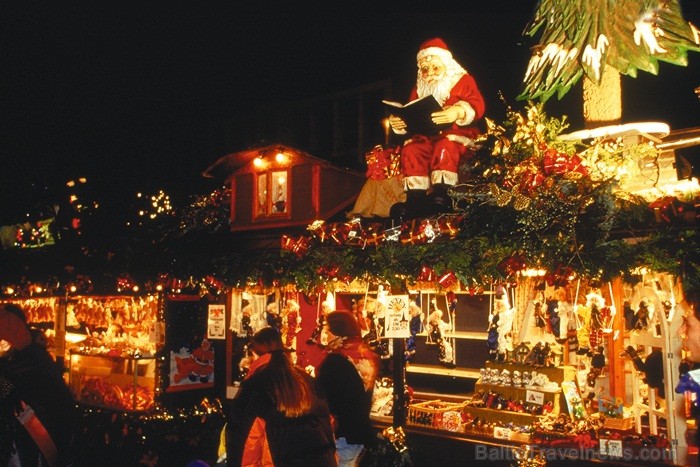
416, 182
468, 142
444, 54
443, 176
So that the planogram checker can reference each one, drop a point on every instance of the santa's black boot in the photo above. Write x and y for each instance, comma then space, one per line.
414, 206
440, 201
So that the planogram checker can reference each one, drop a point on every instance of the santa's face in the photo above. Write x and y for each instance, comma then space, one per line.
431, 69
432, 79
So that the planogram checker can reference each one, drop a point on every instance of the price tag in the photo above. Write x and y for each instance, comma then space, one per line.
534, 397
500, 432
611, 447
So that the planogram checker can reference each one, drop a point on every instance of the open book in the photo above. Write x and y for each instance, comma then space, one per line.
416, 114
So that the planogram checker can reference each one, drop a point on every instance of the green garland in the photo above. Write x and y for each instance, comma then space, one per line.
556, 204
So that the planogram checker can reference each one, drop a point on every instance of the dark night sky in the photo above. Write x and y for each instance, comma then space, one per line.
116, 93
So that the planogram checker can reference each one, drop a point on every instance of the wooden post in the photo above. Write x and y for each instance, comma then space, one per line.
399, 376
616, 343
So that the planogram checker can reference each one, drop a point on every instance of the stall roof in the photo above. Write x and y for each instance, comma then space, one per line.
226, 165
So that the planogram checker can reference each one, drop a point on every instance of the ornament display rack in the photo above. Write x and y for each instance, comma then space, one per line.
467, 337
662, 334
554, 374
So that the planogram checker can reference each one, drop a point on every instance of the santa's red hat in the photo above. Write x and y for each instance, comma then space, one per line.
434, 46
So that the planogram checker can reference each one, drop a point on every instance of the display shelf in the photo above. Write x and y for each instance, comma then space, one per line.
521, 393
114, 382
438, 369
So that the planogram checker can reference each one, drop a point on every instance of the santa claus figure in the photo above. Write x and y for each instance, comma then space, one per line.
431, 161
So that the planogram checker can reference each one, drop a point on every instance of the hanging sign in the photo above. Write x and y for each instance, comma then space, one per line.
397, 317
216, 322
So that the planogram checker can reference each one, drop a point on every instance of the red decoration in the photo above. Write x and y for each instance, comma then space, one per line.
339, 232
318, 230
426, 274
530, 181
287, 243
511, 265
669, 209
449, 225
560, 277
557, 163
448, 280
373, 235
301, 246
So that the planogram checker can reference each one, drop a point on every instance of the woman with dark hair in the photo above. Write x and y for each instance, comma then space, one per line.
297, 421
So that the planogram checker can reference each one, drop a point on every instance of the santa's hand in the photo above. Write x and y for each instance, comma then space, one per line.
397, 124
448, 115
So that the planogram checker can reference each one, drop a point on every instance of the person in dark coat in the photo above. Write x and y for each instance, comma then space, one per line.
297, 421
36, 405
347, 376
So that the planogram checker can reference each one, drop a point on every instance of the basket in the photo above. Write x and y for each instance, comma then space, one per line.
437, 414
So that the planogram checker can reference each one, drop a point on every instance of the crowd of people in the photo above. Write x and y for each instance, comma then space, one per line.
281, 415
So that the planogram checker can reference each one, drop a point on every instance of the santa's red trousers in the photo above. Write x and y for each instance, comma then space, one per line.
423, 155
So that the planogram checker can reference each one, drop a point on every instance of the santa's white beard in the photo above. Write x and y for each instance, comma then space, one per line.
440, 89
